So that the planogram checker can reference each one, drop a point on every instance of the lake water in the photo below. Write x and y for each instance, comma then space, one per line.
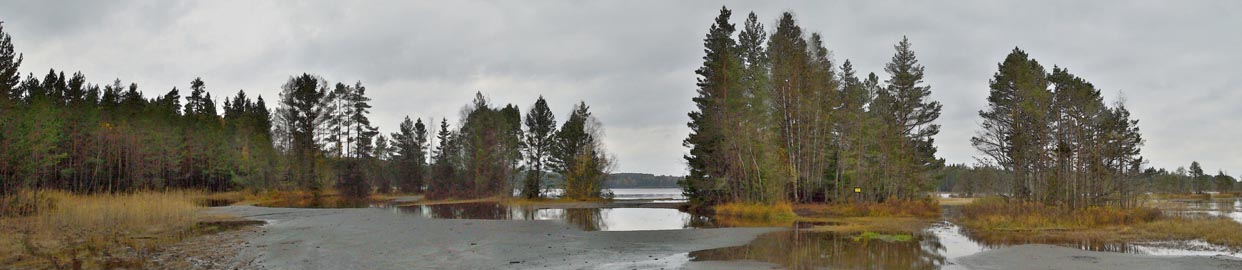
1231, 208
662, 194
588, 219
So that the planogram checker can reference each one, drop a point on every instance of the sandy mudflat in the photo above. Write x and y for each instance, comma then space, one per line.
371, 238
1056, 257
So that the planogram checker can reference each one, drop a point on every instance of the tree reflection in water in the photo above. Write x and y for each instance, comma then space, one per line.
797, 249
587, 219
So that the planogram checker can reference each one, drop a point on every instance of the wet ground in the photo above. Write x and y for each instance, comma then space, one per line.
941, 245
936, 247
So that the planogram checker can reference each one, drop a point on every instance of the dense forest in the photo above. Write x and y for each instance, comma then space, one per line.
778, 120
61, 131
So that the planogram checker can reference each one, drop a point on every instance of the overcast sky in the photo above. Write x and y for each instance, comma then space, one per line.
1175, 62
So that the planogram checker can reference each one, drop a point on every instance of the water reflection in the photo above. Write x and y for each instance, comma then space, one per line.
662, 194
936, 247
327, 201
1231, 208
798, 249
588, 219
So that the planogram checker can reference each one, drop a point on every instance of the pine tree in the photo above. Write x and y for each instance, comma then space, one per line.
1005, 136
539, 139
443, 173
409, 145
914, 114
300, 113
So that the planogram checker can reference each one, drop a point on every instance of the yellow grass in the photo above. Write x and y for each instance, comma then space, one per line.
1216, 230
925, 208
98, 231
955, 201
866, 224
759, 211
997, 214
996, 219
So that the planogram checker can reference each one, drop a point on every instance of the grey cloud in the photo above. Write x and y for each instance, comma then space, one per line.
633, 61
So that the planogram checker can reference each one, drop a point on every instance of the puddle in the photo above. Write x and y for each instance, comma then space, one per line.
588, 219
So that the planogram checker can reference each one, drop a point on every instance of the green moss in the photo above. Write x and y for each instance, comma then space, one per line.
884, 237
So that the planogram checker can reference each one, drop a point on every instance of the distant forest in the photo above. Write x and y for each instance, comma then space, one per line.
61, 131
641, 180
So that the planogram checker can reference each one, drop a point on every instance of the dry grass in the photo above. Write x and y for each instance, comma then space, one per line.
1216, 230
98, 231
998, 220
955, 201
756, 211
866, 224
998, 215
926, 208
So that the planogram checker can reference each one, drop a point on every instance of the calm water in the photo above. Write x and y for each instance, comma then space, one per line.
1231, 208
588, 219
664, 194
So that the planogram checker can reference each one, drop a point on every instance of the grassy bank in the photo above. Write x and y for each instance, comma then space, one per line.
996, 218
98, 231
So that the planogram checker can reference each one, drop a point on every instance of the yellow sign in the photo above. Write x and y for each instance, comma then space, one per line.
857, 190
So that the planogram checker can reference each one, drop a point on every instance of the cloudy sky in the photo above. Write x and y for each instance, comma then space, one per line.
1174, 62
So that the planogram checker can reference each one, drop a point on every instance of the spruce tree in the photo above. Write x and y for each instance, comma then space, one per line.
539, 139
706, 139
10, 61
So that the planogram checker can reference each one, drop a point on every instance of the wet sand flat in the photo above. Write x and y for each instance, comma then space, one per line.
385, 238
1057, 257
372, 238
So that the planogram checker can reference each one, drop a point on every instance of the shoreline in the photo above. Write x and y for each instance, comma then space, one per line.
376, 238
371, 238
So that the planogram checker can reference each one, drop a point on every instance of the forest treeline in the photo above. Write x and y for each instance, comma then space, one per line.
778, 120
60, 131
641, 180
979, 180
